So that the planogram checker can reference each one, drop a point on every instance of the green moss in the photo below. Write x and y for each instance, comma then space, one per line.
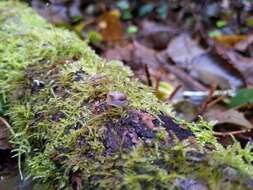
56, 88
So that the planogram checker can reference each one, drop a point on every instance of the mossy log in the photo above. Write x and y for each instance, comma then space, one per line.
81, 122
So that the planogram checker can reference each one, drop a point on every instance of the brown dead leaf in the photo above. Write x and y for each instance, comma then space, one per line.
137, 57
145, 56
182, 49
210, 68
244, 44
110, 27
243, 64
135, 54
123, 53
231, 116
204, 66
230, 40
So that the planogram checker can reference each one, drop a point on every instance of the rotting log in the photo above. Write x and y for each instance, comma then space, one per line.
81, 122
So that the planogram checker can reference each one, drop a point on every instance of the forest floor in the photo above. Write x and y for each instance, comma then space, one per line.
197, 56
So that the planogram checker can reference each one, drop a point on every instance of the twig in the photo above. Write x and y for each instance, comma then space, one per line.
231, 133
158, 79
212, 103
148, 75
178, 87
205, 102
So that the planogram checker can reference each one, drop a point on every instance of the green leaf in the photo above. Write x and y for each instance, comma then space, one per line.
132, 29
163, 11
146, 9
249, 22
242, 97
221, 23
123, 5
94, 37
164, 90
127, 15
77, 18
214, 33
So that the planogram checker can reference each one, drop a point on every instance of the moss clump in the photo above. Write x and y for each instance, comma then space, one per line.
81, 122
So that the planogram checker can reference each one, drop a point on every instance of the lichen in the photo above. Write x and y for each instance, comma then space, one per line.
55, 89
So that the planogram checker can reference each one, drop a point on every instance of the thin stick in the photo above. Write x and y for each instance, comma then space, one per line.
158, 79
148, 75
178, 87
212, 103
206, 101
231, 133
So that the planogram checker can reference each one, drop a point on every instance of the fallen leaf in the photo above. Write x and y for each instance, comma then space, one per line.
137, 56
231, 116
243, 45
164, 90
111, 27
144, 56
146, 9
230, 40
243, 64
123, 5
132, 29
182, 49
207, 67
243, 97
123, 53
221, 23
210, 69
